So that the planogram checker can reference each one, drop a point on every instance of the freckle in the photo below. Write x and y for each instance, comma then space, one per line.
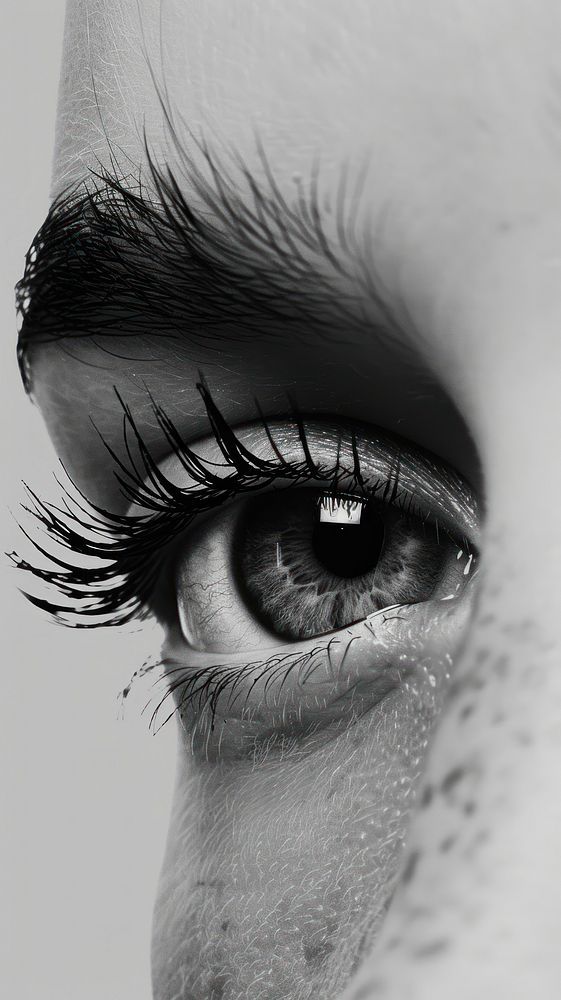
469, 808
461, 685
447, 844
224, 925
466, 711
410, 867
523, 738
486, 620
498, 719
457, 688
432, 948
367, 990
452, 779
419, 913
427, 796
523, 629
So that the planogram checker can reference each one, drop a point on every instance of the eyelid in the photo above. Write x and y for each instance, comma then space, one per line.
104, 566
386, 626
405, 474
310, 687
228, 697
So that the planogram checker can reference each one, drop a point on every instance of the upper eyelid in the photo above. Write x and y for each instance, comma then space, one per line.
121, 590
398, 473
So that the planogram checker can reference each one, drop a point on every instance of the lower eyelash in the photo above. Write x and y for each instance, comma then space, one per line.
199, 691
123, 555
202, 688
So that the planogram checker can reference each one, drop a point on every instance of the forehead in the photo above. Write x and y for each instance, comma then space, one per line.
409, 83
448, 103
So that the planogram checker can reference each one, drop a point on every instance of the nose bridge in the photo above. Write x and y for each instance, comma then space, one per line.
479, 905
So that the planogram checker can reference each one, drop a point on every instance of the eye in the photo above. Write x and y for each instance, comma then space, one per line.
304, 604
314, 567
301, 563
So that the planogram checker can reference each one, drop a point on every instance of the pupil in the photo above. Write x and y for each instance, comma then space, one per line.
353, 549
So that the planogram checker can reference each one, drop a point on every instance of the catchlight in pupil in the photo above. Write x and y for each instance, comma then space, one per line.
348, 535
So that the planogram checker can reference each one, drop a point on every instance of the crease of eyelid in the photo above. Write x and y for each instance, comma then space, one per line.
92, 261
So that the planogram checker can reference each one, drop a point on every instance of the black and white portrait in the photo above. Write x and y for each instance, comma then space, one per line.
282, 586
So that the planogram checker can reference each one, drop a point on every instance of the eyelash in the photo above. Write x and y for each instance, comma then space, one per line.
204, 686
133, 547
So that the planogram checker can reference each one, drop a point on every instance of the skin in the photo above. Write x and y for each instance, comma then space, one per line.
456, 108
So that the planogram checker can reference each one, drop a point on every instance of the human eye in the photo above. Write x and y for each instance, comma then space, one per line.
303, 569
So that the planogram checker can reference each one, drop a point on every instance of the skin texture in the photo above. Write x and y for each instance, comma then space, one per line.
267, 890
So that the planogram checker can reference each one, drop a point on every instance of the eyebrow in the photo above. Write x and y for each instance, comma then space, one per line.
117, 257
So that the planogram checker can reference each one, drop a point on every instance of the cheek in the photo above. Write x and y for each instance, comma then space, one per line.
279, 873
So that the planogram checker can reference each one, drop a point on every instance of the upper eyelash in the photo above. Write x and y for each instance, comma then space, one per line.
132, 546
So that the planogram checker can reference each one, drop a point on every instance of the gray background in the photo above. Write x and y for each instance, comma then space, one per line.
84, 794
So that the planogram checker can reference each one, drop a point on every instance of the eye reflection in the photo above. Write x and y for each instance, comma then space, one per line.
345, 552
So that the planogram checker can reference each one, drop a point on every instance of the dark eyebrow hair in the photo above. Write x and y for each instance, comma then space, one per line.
116, 257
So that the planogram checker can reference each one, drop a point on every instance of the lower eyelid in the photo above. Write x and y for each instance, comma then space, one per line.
226, 703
